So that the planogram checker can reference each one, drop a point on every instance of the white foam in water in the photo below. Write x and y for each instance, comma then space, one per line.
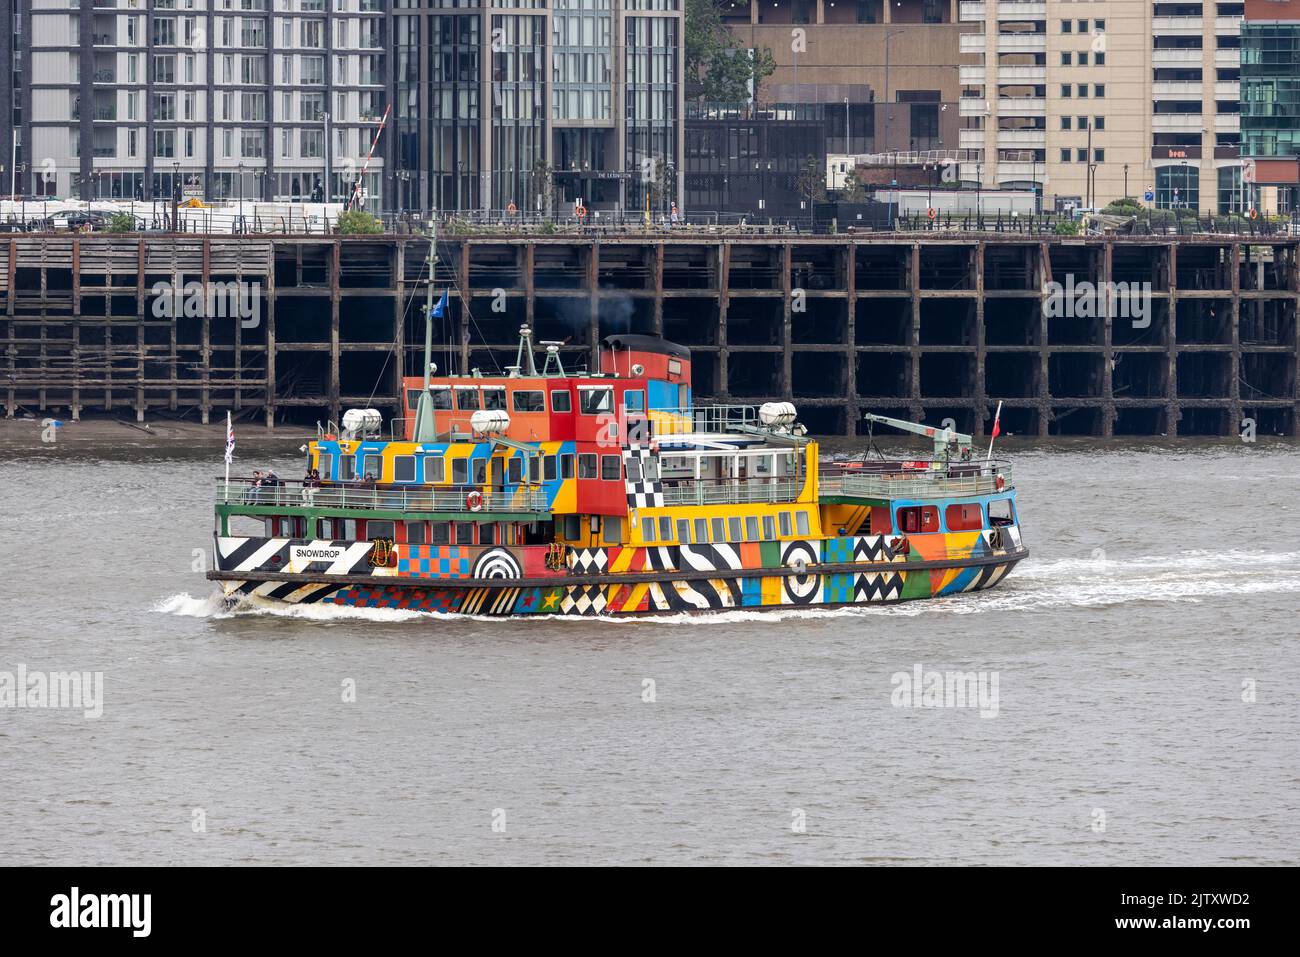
1189, 576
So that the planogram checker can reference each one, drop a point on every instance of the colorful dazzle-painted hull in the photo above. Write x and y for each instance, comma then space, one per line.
528, 580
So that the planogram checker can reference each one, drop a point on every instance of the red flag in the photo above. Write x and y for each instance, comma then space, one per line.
997, 428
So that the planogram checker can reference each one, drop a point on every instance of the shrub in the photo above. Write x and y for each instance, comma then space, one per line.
358, 221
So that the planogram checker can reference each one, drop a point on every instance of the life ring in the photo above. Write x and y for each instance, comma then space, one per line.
999, 483
932, 213
580, 212
1254, 214
474, 501
511, 208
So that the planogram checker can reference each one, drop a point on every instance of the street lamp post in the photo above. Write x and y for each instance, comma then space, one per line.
326, 191
240, 221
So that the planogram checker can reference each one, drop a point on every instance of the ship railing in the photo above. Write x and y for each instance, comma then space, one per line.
397, 498
730, 491
894, 480
702, 418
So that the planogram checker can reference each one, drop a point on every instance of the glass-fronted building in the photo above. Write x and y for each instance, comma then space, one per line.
1270, 98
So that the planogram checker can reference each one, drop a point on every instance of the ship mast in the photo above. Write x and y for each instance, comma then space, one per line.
425, 426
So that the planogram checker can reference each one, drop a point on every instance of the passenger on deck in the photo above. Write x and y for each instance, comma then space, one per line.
310, 482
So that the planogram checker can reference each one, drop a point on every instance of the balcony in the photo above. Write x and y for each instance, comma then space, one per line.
971, 75
731, 491
1229, 25
1177, 26
970, 139
1013, 171
1022, 42
1176, 57
1177, 90
1227, 123
1022, 10
1022, 74
1227, 90
1022, 106
1177, 122
1021, 139
1227, 57
973, 43
971, 12
974, 106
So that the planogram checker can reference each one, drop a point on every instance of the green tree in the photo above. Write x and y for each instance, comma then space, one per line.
358, 221
812, 180
853, 191
121, 223
716, 65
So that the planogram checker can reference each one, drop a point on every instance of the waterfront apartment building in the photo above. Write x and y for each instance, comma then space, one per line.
494, 102
1091, 100
1270, 101
222, 98
1084, 100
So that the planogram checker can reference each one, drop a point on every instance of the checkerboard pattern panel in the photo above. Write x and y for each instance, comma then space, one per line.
434, 561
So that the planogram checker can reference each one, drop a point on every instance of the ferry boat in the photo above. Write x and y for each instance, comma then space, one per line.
572, 492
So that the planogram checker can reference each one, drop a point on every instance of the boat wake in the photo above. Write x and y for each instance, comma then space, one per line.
1190, 576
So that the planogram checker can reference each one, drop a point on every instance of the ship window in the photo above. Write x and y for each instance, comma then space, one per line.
561, 401
464, 533
404, 468
701, 529
480, 471
683, 531
719, 530
459, 471
609, 468
435, 468
801, 522
595, 400
415, 533
373, 465
514, 469
769, 528
530, 400
751, 528
566, 465
441, 396
548, 468
347, 468
412, 400
487, 534
439, 533
467, 399
762, 464
648, 529
534, 468
634, 400
784, 518
588, 465
324, 528
612, 530
633, 470
665, 528
494, 397
1000, 512
572, 527
379, 529
324, 463
674, 367
963, 518
733, 530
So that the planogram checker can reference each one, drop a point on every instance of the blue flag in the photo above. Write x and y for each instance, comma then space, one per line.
440, 309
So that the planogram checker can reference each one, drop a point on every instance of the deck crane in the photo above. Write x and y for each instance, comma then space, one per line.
944, 439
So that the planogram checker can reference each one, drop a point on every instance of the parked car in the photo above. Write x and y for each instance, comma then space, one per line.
75, 220
13, 227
